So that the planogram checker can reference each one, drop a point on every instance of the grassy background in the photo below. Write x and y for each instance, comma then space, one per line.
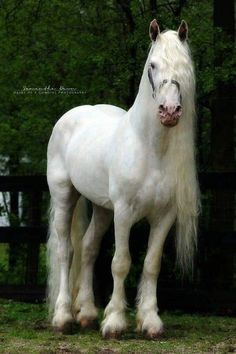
24, 329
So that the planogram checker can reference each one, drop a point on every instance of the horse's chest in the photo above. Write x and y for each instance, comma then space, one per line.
155, 192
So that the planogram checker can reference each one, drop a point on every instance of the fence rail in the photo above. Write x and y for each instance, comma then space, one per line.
23, 234
23, 183
218, 180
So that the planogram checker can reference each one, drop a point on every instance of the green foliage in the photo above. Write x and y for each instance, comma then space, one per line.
15, 274
3, 263
10, 274
97, 47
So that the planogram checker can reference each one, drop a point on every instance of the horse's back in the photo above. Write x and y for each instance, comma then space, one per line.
86, 119
110, 109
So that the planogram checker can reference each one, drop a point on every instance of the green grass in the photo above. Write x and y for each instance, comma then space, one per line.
24, 329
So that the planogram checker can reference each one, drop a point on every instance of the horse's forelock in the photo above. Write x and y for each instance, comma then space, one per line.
169, 43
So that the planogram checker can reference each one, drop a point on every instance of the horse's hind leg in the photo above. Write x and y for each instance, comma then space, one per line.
84, 306
64, 197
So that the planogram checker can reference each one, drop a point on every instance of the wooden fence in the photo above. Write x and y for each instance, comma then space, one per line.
32, 235
35, 234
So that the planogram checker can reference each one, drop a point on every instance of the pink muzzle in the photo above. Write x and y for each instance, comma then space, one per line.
170, 115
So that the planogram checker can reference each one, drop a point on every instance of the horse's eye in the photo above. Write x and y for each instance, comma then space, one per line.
153, 66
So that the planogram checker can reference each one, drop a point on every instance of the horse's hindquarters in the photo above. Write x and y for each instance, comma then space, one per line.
80, 147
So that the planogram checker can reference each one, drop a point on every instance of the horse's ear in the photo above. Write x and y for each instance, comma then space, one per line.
154, 30
183, 31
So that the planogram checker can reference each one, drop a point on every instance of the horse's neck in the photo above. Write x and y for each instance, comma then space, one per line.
144, 121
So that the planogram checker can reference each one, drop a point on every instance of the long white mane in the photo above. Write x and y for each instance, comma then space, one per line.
181, 151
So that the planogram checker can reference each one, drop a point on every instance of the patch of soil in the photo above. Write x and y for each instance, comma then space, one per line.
228, 346
61, 351
105, 351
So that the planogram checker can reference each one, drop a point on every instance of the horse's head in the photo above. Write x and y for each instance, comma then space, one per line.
166, 66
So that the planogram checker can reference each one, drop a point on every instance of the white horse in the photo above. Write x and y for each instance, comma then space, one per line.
130, 165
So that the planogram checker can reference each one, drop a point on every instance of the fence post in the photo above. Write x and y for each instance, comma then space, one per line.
33, 249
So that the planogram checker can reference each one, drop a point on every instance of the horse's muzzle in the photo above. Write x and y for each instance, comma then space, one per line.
170, 116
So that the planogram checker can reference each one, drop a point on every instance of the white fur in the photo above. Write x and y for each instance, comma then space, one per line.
132, 165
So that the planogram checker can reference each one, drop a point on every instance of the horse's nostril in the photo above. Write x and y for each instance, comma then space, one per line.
178, 108
161, 107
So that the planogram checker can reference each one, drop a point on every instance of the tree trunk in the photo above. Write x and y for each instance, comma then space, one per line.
125, 7
153, 7
33, 249
220, 264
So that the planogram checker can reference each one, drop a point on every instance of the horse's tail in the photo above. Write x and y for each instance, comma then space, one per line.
78, 227
188, 208
52, 260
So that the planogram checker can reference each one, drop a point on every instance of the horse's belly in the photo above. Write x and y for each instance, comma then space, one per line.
96, 196
92, 184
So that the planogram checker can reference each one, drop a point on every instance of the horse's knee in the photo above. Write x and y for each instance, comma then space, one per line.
151, 267
121, 264
149, 272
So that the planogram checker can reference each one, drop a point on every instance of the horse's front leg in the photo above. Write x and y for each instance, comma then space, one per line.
115, 322
148, 320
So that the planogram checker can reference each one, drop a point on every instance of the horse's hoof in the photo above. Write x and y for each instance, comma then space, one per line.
88, 323
154, 335
66, 328
112, 335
